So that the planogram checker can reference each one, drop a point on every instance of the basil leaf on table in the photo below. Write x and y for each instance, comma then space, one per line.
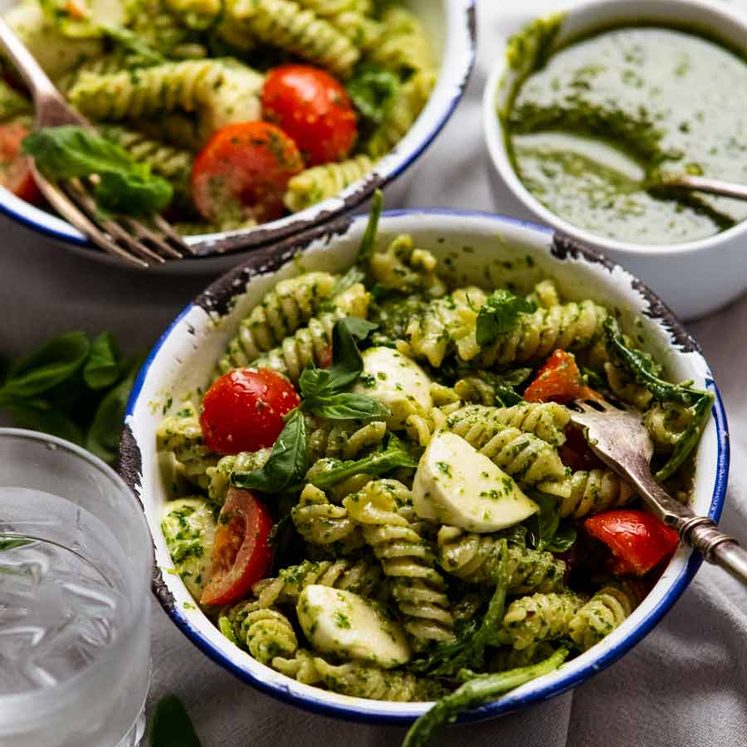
288, 462
102, 369
54, 363
498, 315
171, 725
39, 416
124, 186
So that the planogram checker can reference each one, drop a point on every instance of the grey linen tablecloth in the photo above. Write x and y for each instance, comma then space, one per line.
685, 684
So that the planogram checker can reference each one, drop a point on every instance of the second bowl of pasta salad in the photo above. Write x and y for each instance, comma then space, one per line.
357, 463
257, 119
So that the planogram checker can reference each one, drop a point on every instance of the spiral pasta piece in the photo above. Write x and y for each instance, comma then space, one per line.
539, 617
344, 440
545, 294
181, 435
531, 461
572, 326
445, 324
593, 491
311, 344
405, 109
404, 46
322, 182
265, 633
360, 577
323, 523
546, 420
286, 24
382, 508
666, 422
403, 267
219, 91
477, 557
219, 476
625, 388
288, 306
604, 612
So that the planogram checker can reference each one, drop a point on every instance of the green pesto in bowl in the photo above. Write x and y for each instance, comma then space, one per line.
595, 124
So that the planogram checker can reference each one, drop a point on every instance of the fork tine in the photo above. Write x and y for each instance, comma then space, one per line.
67, 209
82, 198
168, 230
144, 233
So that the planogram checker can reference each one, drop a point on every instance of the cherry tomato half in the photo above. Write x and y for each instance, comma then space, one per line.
243, 410
638, 540
313, 108
15, 169
241, 554
242, 172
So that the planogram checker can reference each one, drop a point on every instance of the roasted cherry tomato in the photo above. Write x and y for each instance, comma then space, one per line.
15, 169
558, 380
243, 410
638, 540
241, 554
313, 108
242, 172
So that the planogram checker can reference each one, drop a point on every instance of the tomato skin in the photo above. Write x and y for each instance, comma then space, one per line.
242, 172
558, 380
576, 452
243, 410
241, 554
314, 109
638, 540
15, 168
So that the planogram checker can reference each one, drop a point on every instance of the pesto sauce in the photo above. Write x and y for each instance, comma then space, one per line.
592, 126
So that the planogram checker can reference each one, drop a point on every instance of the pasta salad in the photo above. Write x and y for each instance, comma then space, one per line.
380, 493
245, 110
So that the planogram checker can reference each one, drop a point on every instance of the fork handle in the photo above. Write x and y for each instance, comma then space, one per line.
715, 546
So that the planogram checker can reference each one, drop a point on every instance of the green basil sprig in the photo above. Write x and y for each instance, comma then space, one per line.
498, 315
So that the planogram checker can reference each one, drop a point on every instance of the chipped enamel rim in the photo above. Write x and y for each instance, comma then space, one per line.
485, 241
457, 61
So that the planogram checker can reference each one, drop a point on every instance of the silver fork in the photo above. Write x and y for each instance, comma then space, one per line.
619, 438
131, 240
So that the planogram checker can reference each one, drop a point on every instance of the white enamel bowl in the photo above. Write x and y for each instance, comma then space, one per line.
694, 278
450, 25
480, 248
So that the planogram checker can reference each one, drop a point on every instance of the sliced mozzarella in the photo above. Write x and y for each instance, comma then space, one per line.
455, 484
340, 622
397, 382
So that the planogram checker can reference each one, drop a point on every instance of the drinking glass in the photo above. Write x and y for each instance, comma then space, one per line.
76, 561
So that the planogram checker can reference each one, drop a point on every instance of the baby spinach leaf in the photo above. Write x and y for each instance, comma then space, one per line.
102, 438
288, 462
54, 363
372, 89
102, 369
171, 725
545, 531
125, 185
328, 472
499, 314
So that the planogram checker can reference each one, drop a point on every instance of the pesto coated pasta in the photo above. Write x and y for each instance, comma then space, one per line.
430, 511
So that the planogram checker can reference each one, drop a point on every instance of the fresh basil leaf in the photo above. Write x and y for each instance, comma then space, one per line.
368, 242
136, 192
54, 363
124, 186
372, 89
564, 539
288, 462
38, 416
328, 472
171, 725
102, 369
105, 430
10, 542
499, 314
346, 406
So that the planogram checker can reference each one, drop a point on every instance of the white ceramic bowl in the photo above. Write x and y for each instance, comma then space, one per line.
481, 249
451, 27
694, 278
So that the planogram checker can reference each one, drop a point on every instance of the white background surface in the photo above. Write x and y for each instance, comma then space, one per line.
685, 684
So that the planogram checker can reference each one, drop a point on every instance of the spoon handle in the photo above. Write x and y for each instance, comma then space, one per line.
706, 184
